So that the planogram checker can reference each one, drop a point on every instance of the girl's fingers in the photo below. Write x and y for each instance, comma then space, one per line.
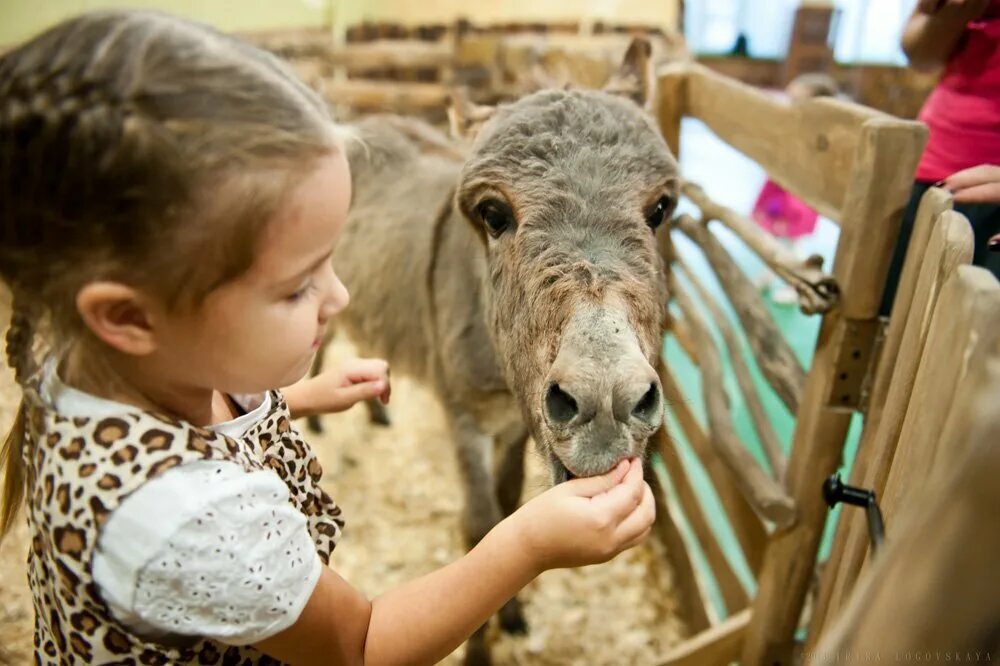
622, 500
593, 486
372, 370
384, 396
368, 370
363, 391
639, 520
639, 539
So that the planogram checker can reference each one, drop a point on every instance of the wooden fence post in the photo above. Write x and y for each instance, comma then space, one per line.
939, 562
949, 246
878, 188
672, 91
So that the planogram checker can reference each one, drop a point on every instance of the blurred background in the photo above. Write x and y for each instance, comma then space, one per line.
765, 43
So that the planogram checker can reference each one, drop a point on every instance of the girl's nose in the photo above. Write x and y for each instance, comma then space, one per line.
335, 297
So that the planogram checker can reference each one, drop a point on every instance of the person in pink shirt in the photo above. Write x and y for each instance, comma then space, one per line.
963, 117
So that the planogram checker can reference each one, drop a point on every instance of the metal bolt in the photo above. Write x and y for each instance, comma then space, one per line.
836, 491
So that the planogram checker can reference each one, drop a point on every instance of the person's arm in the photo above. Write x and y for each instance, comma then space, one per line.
935, 28
583, 521
420, 622
339, 388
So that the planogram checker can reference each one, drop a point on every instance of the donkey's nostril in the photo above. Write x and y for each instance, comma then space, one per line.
645, 409
561, 406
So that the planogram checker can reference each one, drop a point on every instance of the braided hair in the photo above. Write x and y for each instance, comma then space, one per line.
119, 132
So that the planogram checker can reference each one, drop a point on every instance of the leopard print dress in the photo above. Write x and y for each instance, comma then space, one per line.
81, 469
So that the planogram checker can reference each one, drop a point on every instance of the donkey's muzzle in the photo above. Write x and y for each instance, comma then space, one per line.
601, 399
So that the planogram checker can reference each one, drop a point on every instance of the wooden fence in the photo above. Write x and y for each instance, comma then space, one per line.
414, 69
855, 166
926, 384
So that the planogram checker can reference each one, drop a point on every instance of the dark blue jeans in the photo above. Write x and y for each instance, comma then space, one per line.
985, 220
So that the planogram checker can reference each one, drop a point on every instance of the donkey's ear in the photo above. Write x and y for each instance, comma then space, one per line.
466, 118
634, 78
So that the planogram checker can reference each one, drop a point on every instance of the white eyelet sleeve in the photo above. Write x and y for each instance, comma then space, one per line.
207, 549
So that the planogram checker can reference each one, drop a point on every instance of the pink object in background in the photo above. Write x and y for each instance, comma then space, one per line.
782, 214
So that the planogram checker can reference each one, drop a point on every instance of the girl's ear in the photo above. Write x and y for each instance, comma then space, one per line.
119, 316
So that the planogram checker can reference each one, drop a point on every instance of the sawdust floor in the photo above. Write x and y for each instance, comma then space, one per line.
400, 490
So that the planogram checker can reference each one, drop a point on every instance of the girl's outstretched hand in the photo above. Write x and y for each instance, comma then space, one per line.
338, 389
583, 521
587, 520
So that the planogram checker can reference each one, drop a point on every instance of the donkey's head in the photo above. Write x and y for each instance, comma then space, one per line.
567, 189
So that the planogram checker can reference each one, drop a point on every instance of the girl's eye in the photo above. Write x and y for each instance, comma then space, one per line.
299, 293
496, 216
658, 213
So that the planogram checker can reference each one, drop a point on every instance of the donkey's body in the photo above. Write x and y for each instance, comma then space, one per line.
413, 266
520, 280
415, 270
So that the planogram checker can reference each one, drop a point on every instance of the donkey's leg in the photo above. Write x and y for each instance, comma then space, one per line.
377, 412
313, 423
482, 508
509, 486
475, 463
510, 470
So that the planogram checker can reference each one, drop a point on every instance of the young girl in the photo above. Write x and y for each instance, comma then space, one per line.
169, 201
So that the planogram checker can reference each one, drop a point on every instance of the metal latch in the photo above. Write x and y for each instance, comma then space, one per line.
836, 491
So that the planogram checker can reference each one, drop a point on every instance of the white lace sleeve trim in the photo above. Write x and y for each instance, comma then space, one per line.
207, 549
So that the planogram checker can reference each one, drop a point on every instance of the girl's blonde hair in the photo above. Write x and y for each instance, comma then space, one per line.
139, 147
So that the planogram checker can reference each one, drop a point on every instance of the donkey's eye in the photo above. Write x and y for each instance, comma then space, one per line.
658, 213
496, 215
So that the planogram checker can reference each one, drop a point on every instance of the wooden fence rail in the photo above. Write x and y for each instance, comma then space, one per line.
941, 243
765, 494
774, 357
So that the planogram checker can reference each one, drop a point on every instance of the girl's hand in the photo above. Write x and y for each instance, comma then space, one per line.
359, 379
979, 184
589, 520
340, 388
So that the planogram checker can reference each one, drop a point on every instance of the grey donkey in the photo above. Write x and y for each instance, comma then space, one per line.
520, 279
